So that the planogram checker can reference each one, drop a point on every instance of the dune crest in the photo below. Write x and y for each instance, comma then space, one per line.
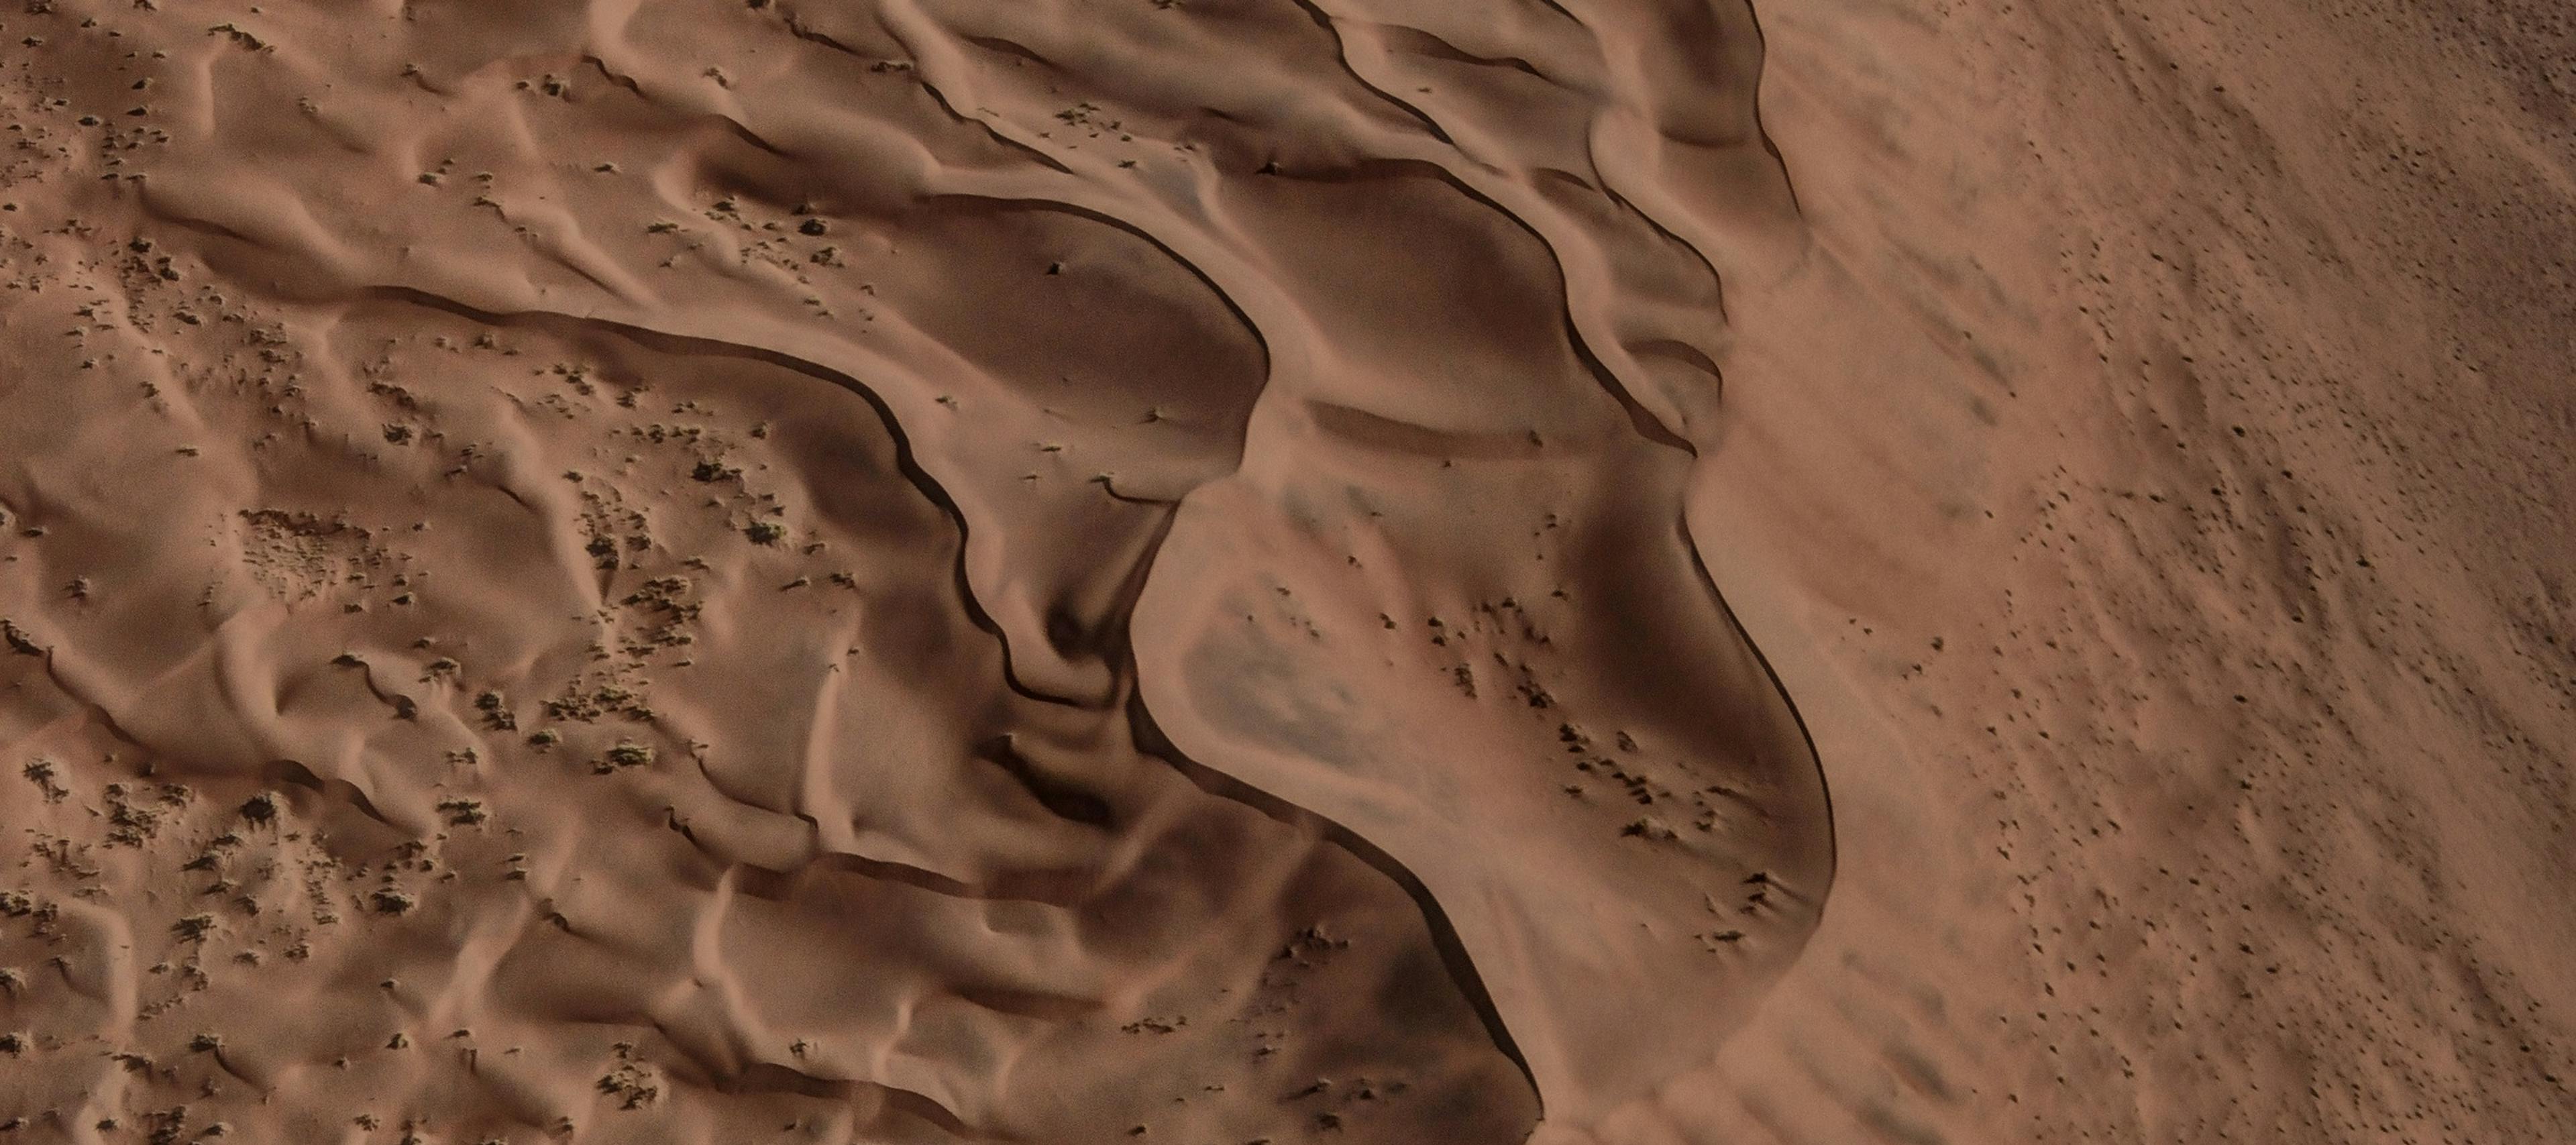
912, 571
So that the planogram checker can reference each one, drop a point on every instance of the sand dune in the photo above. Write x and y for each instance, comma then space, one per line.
1236, 571
905, 573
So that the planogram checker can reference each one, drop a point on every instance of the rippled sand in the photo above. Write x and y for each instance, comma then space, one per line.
705, 572
1170, 570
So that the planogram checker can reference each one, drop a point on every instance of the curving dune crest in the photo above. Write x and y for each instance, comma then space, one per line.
912, 571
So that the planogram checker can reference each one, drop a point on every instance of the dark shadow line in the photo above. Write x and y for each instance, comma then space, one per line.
907, 462
1462, 970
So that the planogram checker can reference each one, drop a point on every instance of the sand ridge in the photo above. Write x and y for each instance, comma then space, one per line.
880, 572
1234, 571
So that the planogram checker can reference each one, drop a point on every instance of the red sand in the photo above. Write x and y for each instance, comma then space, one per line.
1183, 570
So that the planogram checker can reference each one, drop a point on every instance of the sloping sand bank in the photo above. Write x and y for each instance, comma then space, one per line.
906, 572
1191, 570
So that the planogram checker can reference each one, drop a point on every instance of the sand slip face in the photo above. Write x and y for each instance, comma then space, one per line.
877, 572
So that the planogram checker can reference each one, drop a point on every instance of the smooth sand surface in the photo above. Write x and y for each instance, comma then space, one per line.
1235, 571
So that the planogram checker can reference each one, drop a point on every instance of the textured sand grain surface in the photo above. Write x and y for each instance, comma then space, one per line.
1191, 571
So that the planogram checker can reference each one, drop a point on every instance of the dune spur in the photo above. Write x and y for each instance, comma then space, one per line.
1071, 513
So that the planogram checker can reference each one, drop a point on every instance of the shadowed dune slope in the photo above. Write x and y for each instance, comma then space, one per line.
1191, 571
911, 571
